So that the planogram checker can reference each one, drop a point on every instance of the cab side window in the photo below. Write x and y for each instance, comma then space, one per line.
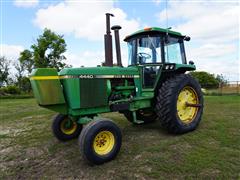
173, 51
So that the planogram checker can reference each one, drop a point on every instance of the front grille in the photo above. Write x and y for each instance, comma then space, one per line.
93, 92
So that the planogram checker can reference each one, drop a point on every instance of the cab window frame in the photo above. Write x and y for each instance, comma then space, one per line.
162, 43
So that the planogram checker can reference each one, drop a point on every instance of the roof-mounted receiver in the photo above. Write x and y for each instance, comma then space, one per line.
147, 29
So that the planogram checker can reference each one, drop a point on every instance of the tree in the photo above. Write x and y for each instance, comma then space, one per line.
46, 52
4, 71
22, 81
206, 79
221, 79
26, 60
25, 84
20, 70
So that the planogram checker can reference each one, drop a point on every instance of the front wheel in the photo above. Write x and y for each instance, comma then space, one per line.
65, 128
180, 104
100, 141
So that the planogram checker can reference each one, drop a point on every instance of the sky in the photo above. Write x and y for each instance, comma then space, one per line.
213, 26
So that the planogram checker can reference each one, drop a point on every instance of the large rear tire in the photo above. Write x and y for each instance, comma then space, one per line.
179, 104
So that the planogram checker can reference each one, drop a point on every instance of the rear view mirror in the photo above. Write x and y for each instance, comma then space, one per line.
191, 62
187, 38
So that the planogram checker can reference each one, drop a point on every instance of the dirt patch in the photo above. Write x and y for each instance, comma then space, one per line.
6, 150
210, 173
137, 157
34, 152
4, 131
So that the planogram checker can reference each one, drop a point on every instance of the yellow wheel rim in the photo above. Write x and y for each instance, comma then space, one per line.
68, 126
103, 142
187, 113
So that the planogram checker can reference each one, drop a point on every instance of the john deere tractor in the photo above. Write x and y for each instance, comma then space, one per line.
154, 86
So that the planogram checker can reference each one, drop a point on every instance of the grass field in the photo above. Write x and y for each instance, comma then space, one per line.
28, 149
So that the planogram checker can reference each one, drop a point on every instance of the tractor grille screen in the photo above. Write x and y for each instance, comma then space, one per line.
93, 92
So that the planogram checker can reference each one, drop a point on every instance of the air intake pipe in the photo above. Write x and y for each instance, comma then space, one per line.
108, 42
117, 44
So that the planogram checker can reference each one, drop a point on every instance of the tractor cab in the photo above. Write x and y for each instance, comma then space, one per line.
154, 50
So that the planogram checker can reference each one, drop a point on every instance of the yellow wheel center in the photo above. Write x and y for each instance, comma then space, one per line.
187, 113
103, 142
68, 126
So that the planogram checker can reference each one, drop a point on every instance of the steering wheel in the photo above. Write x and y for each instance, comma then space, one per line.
144, 55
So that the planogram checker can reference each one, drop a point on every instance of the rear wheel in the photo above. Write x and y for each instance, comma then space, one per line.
65, 128
145, 115
179, 104
100, 141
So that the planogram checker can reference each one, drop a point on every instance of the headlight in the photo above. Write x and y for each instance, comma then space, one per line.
172, 67
169, 67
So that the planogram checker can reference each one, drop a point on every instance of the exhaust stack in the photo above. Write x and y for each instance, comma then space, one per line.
108, 42
117, 44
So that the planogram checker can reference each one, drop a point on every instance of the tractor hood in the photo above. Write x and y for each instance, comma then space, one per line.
76, 88
97, 71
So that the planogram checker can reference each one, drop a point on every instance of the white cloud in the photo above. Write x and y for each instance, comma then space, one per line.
86, 58
86, 20
217, 59
212, 50
83, 19
229, 68
11, 52
26, 3
157, 2
93, 58
211, 21
214, 29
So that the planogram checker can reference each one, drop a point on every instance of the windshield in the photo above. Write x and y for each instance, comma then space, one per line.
144, 50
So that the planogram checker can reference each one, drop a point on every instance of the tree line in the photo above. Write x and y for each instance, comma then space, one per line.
207, 80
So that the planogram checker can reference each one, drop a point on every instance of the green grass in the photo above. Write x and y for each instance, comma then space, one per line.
28, 149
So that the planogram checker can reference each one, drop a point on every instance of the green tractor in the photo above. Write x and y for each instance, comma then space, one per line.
154, 86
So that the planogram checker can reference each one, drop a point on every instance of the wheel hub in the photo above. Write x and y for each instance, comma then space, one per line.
187, 105
104, 142
68, 126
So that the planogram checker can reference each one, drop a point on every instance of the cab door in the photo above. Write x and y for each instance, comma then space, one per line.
149, 55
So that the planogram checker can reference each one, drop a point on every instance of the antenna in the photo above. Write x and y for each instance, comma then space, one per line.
166, 6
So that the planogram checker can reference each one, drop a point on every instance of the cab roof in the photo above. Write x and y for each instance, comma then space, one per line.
152, 30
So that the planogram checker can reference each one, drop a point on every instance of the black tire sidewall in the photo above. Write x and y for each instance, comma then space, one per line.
89, 134
56, 129
191, 82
